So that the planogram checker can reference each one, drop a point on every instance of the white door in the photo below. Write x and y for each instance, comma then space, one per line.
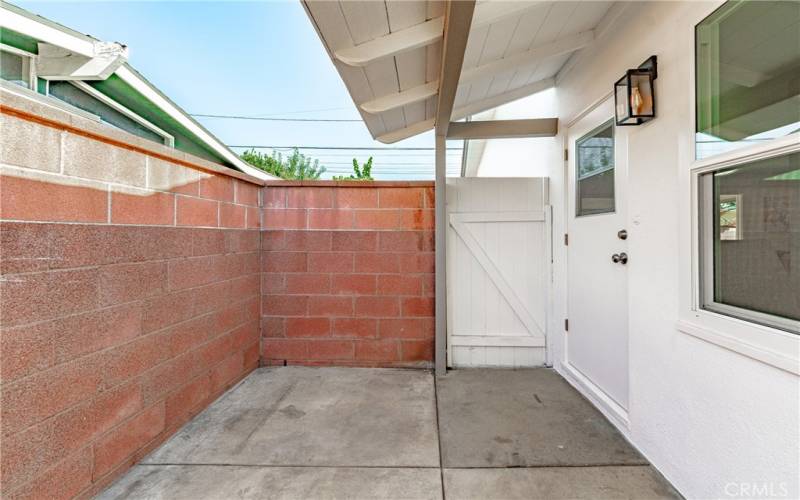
597, 338
497, 244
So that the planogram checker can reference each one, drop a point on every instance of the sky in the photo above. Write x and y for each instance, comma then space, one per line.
260, 58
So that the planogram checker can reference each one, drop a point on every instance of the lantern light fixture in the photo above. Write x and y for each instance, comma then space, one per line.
635, 96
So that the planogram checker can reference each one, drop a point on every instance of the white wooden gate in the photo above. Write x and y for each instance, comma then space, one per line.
497, 263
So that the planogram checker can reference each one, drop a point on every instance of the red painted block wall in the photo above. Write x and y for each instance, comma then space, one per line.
348, 274
129, 299
137, 284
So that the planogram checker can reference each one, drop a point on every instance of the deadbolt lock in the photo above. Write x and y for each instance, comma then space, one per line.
622, 234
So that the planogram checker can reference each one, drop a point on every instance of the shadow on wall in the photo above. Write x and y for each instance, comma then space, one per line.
125, 311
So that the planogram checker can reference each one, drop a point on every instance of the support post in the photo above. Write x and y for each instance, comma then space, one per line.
440, 351
458, 18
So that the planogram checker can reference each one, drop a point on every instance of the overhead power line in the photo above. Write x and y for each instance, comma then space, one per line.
348, 166
270, 119
297, 112
346, 148
381, 155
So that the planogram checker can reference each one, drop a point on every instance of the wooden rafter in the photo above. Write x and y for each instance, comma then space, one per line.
456, 34
504, 129
470, 109
426, 33
419, 93
393, 44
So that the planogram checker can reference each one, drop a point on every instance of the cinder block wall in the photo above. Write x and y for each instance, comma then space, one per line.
129, 296
347, 273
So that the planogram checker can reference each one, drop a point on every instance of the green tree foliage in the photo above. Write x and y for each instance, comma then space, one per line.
294, 167
360, 173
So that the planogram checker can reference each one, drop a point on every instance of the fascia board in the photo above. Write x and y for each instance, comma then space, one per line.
131, 77
15, 19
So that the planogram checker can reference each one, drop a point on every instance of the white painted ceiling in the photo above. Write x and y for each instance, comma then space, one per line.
515, 48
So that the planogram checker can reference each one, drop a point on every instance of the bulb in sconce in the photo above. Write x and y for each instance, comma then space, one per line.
636, 100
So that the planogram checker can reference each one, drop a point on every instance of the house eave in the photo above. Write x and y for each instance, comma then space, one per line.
110, 58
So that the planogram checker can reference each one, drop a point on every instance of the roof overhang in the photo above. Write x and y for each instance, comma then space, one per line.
390, 54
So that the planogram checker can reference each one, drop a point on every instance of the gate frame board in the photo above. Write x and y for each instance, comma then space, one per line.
536, 326
459, 223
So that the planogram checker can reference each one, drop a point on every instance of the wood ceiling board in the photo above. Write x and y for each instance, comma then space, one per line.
462, 95
329, 21
383, 80
433, 57
491, 12
392, 44
494, 46
433, 62
500, 82
366, 19
506, 97
548, 68
529, 25
534, 56
479, 89
472, 55
587, 16
517, 27
497, 40
410, 65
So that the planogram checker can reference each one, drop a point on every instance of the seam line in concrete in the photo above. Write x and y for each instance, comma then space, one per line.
438, 432
303, 466
285, 466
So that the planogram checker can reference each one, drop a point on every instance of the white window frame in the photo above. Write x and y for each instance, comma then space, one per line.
169, 140
706, 233
598, 172
33, 79
768, 344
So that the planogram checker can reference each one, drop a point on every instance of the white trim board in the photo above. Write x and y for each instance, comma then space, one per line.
521, 340
616, 414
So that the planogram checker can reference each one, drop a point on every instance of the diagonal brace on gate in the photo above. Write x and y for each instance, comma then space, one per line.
459, 222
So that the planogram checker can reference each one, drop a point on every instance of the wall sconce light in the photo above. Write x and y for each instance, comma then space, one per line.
634, 94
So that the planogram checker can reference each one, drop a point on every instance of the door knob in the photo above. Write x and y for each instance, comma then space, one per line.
620, 258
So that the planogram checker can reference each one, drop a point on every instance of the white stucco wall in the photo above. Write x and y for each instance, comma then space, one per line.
716, 423
530, 157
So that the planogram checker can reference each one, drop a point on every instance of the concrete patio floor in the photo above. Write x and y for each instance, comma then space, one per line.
295, 432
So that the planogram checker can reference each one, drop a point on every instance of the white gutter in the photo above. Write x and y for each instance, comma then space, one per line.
132, 78
18, 20
44, 30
